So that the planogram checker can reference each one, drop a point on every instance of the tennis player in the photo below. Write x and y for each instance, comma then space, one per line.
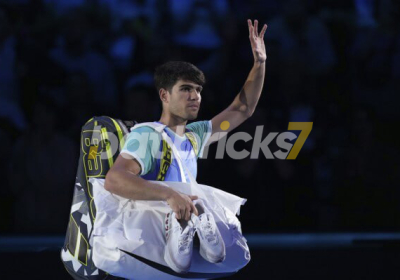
179, 85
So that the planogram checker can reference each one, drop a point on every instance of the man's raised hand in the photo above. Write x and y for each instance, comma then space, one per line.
257, 41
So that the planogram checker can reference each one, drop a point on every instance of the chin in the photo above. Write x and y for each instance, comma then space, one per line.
192, 117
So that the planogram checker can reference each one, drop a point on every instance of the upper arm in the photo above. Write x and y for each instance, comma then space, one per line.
137, 156
124, 163
142, 147
127, 163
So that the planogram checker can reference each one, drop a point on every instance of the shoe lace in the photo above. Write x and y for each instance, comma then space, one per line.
185, 239
208, 229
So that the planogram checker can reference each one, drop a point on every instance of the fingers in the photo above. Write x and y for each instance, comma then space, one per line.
185, 207
177, 214
194, 209
187, 213
253, 30
182, 213
263, 31
250, 27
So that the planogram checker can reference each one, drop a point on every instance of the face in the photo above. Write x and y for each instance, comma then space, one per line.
184, 99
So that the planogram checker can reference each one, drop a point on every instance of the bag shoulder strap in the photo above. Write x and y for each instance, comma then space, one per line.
166, 156
194, 188
181, 164
165, 160
166, 153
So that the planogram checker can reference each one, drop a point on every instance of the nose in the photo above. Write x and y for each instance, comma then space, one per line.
194, 95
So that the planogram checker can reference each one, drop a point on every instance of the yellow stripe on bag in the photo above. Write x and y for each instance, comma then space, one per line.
193, 141
166, 161
89, 120
107, 146
77, 245
120, 134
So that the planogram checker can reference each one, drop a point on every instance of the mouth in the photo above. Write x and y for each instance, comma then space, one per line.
193, 106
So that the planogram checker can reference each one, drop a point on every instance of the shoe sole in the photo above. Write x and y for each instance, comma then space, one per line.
209, 258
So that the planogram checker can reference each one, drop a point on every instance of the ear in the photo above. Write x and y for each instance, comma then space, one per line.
163, 95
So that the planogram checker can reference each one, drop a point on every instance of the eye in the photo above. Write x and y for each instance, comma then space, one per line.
186, 89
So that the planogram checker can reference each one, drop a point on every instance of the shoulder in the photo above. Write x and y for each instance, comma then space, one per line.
144, 133
144, 128
201, 131
147, 127
200, 125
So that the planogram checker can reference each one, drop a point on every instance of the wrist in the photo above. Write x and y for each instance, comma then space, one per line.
166, 193
258, 63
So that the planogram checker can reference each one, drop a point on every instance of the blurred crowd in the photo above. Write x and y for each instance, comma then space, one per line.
334, 63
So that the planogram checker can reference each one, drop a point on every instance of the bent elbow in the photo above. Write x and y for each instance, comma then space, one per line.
245, 111
249, 113
109, 183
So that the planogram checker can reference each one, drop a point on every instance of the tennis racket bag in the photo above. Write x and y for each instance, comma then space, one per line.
101, 140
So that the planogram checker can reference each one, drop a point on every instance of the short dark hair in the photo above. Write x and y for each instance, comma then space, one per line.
167, 74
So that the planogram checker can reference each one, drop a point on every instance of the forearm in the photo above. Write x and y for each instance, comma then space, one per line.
131, 186
251, 91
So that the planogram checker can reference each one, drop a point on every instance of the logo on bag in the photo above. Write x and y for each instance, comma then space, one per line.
93, 152
166, 225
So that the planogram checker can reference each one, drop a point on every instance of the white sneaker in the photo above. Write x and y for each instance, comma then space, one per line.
179, 243
212, 247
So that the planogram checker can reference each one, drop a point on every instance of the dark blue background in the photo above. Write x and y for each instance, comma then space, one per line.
334, 63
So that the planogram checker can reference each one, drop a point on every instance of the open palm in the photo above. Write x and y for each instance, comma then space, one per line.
257, 41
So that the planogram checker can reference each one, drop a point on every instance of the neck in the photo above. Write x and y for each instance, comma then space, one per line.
175, 123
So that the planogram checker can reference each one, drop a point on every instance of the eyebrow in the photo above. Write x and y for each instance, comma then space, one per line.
191, 86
